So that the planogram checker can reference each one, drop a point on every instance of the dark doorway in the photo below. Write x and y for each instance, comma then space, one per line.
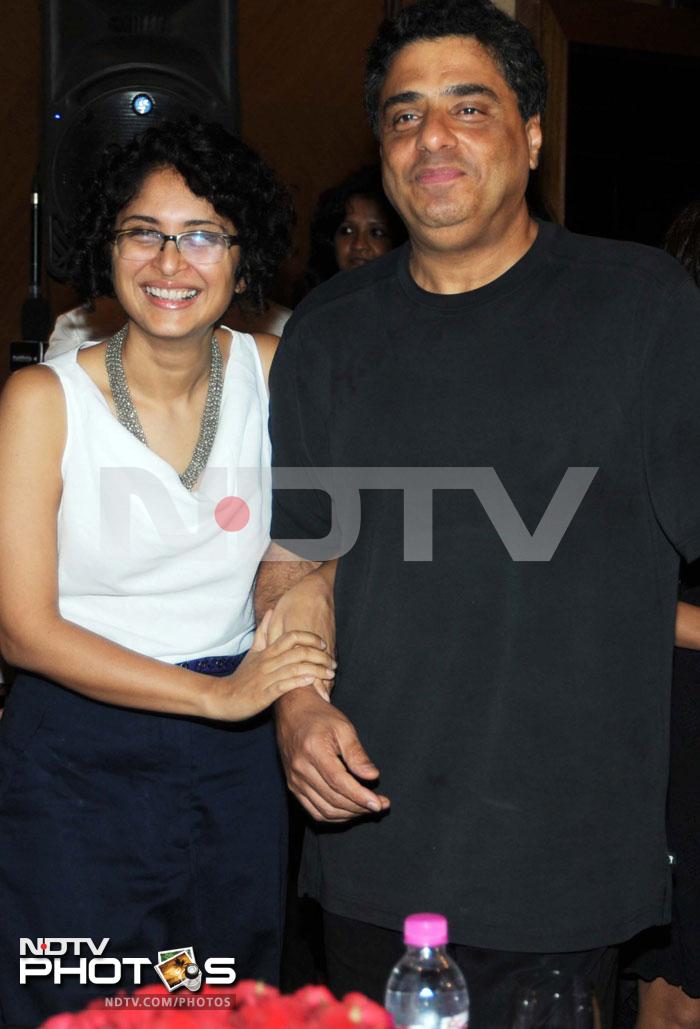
632, 160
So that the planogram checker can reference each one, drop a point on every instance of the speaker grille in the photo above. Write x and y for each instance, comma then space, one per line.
100, 54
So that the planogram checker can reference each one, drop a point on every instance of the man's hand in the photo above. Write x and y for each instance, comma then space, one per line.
324, 759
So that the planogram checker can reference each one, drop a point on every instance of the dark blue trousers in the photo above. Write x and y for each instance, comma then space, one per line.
157, 831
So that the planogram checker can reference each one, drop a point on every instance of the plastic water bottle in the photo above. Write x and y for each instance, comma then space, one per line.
426, 990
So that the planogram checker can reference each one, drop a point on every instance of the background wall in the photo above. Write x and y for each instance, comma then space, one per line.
301, 69
301, 64
300, 81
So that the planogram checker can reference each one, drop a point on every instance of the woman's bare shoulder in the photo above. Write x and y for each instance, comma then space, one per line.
34, 385
32, 404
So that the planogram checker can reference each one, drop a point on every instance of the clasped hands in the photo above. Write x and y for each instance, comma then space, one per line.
325, 763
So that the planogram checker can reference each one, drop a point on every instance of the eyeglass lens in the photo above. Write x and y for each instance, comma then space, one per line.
198, 247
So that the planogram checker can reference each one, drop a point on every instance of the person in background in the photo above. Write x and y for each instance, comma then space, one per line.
667, 958
511, 412
683, 239
353, 223
141, 797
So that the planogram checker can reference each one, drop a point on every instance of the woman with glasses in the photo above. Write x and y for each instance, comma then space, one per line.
141, 799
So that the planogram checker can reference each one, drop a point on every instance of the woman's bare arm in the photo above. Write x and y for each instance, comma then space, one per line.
34, 636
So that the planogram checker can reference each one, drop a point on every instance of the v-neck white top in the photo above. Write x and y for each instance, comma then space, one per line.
143, 561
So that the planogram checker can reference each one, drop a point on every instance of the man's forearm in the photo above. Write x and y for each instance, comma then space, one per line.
279, 571
688, 626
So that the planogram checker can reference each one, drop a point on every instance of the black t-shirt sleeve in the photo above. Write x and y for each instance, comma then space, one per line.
671, 397
299, 434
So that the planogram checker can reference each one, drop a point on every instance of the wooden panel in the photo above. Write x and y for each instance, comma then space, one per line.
623, 23
528, 12
19, 129
637, 26
555, 53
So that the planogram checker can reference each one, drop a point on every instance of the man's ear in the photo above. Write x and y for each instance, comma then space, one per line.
533, 130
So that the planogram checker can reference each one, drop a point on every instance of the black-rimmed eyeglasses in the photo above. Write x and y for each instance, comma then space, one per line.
197, 246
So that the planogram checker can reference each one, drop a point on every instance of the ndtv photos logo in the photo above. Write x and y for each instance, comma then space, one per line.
83, 960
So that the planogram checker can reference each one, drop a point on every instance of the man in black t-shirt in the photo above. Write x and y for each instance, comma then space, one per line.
505, 416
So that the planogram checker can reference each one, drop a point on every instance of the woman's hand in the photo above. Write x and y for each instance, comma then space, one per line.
267, 672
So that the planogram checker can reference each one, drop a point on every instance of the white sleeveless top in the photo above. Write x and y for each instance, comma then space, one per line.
141, 560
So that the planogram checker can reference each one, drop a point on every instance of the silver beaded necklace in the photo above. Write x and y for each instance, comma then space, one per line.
126, 413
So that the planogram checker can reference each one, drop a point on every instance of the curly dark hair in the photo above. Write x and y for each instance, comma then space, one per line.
683, 239
506, 40
215, 165
330, 210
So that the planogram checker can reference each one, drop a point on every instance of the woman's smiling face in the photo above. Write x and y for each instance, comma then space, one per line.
165, 293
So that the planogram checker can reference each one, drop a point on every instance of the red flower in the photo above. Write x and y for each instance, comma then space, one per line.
251, 992
256, 1006
313, 997
366, 1013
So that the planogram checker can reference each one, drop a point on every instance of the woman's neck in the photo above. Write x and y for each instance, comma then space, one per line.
166, 369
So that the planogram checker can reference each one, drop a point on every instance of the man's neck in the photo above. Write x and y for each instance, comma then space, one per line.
466, 268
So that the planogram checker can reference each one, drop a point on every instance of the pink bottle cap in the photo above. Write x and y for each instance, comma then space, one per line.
425, 930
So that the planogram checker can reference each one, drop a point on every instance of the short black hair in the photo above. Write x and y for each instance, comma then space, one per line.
215, 165
329, 213
506, 40
683, 239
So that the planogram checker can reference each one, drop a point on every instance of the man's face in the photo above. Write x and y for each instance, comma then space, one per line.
456, 153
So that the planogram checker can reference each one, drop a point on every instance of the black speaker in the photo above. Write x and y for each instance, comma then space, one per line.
111, 69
